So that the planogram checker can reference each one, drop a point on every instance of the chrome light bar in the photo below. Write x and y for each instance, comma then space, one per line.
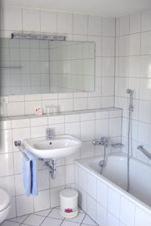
38, 36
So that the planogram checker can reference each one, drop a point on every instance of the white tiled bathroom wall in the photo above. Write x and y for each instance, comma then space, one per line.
133, 70
84, 125
74, 27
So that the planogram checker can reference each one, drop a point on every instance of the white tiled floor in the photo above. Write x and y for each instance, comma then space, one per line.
50, 217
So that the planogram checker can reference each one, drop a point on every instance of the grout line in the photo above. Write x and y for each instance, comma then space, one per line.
62, 221
25, 219
115, 54
22, 224
46, 216
83, 218
11, 219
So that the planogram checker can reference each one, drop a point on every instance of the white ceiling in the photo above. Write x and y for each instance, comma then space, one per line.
97, 7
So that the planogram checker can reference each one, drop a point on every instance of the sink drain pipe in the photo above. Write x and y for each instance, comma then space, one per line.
51, 164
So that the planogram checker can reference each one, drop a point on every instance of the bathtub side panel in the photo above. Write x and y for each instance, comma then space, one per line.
109, 205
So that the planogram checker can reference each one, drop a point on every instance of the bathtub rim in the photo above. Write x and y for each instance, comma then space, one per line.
114, 186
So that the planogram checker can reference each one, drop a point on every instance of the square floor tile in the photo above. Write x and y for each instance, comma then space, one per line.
88, 225
9, 223
55, 213
67, 223
34, 220
43, 213
23, 225
19, 219
88, 221
51, 222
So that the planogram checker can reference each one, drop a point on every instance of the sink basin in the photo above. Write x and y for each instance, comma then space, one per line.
55, 148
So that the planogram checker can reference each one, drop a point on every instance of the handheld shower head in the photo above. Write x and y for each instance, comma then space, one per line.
130, 91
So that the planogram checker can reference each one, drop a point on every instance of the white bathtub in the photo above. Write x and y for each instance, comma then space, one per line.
104, 197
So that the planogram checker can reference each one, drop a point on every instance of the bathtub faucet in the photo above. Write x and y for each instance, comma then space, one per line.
104, 141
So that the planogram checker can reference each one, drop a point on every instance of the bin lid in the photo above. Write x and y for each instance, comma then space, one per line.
69, 193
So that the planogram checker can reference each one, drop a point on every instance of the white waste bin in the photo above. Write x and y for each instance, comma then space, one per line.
69, 203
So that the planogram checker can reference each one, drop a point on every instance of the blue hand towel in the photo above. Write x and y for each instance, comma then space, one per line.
30, 173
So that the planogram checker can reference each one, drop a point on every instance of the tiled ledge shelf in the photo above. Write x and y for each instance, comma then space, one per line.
78, 112
30, 121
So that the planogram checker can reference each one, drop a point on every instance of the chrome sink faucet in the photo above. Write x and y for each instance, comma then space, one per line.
50, 133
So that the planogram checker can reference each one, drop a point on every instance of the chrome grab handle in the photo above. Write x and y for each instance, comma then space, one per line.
144, 151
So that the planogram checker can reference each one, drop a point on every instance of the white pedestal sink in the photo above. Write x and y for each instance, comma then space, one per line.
54, 148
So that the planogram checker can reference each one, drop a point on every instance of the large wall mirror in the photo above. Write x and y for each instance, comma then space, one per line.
42, 66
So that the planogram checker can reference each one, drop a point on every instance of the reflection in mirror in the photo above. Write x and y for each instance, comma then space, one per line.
43, 66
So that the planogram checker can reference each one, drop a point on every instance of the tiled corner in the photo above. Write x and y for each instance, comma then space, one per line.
133, 53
